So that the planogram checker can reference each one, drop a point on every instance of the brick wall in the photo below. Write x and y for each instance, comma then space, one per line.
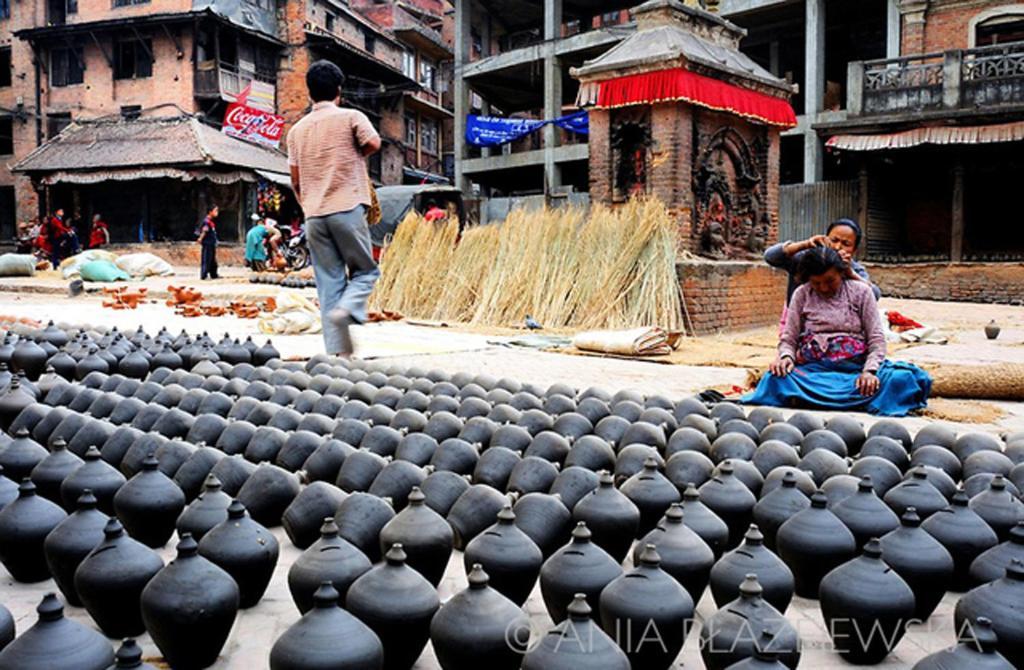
945, 24
731, 295
965, 282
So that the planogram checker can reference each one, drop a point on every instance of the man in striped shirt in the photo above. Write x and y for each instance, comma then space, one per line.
327, 152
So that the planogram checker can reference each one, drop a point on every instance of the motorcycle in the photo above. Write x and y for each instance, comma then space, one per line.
294, 249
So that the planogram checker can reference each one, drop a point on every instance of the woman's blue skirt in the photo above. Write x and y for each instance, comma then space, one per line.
903, 388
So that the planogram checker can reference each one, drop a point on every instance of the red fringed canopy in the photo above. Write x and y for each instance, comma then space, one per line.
696, 89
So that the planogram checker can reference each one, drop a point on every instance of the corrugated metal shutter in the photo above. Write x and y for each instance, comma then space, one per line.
805, 209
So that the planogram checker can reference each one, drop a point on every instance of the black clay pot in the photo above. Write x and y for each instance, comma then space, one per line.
475, 510
70, 542
56, 643
977, 650
865, 514
206, 511
245, 550
999, 508
494, 467
647, 599
838, 488
689, 467
970, 443
964, 534
921, 560
701, 520
425, 536
729, 498
652, 493
20, 456
862, 595
48, 474
683, 554
532, 474
360, 518
312, 642
97, 476
191, 475
233, 472
479, 628
822, 464
189, 608
591, 452
129, 655
316, 501
359, 470
111, 578
727, 637
7, 632
938, 457
545, 520
508, 555
884, 475
267, 493
396, 481
611, 517
12, 402
752, 558
581, 566
576, 643
991, 564
1002, 603
812, 543
329, 559
573, 483
916, 492
149, 505
775, 508
24, 524
324, 463
397, 603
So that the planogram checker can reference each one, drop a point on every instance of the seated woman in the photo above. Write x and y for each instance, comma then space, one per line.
843, 235
832, 348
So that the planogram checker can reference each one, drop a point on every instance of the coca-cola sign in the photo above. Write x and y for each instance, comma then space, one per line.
255, 125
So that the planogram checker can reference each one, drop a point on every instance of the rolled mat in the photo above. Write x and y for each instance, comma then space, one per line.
1004, 381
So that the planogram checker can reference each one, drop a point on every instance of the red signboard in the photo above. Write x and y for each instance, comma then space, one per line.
255, 125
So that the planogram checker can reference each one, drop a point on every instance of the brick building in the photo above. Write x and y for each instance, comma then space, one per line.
87, 60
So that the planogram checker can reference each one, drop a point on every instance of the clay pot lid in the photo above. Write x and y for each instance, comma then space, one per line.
129, 654
754, 536
506, 516
188, 546
326, 596
980, 635
50, 608
750, 587
236, 510
477, 578
329, 528
649, 556
910, 518
819, 500
872, 549
578, 609
86, 500
581, 534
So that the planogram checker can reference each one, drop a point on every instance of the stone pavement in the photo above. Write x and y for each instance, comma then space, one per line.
451, 350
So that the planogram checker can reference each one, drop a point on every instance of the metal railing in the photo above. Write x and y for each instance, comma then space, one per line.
958, 79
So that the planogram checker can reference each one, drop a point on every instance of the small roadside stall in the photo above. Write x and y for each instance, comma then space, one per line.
153, 179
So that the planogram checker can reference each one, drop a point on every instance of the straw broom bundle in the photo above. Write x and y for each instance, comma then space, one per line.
611, 269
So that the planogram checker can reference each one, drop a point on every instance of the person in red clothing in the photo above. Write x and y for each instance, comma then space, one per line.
434, 213
99, 234
56, 239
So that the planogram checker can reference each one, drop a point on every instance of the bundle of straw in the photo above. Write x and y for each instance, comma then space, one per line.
612, 269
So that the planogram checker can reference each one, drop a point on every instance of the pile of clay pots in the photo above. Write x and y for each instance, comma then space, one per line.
115, 442
276, 278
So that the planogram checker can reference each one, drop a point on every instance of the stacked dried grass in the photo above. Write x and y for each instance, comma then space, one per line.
611, 269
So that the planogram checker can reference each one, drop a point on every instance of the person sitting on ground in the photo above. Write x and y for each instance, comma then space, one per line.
99, 234
434, 213
843, 235
832, 348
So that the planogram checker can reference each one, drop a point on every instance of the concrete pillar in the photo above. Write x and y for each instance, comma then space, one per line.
956, 251
463, 45
814, 86
552, 93
893, 19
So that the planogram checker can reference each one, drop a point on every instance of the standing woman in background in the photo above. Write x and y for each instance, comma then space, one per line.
208, 243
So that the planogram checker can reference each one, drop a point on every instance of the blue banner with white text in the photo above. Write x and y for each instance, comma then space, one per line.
492, 131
